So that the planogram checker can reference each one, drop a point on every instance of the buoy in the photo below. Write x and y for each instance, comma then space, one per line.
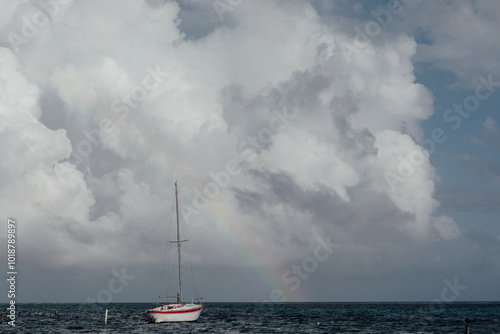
106, 318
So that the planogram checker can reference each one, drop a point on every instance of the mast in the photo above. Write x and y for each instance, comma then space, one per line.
178, 242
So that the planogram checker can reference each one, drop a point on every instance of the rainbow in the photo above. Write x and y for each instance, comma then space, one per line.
266, 279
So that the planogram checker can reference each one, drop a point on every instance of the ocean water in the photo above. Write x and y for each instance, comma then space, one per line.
263, 318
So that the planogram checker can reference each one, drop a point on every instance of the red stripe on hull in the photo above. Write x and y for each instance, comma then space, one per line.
172, 312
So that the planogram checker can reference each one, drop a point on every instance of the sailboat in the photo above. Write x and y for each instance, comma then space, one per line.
178, 312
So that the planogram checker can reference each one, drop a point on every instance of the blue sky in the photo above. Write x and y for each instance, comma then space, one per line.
479, 189
296, 130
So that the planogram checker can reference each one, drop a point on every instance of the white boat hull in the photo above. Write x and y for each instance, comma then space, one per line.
175, 313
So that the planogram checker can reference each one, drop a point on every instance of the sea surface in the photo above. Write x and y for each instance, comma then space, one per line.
262, 318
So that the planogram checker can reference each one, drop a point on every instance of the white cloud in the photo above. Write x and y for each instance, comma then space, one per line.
458, 36
325, 171
491, 127
446, 228
38, 188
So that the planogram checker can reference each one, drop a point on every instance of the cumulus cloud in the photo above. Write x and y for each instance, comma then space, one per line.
109, 102
361, 100
36, 181
490, 137
455, 36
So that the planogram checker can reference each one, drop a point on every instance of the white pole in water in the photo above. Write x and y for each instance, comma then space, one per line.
106, 318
